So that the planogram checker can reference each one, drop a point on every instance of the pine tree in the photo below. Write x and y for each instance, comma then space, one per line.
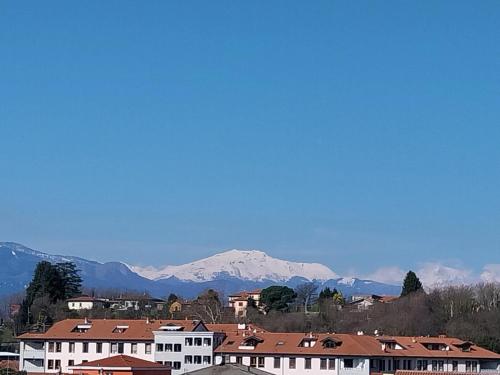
46, 282
71, 280
411, 284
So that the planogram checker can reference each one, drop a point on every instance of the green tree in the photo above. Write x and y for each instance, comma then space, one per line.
411, 284
46, 282
71, 280
277, 297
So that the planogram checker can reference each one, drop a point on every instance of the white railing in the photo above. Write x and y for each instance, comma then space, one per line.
34, 354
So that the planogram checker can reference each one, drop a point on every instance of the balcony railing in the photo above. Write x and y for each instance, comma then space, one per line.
34, 354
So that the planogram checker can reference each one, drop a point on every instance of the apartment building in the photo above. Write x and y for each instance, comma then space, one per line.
239, 301
345, 354
186, 346
180, 344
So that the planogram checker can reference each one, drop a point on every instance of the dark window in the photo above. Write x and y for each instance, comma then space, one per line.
291, 362
50, 364
57, 364
58, 347
207, 359
323, 363
159, 347
168, 347
98, 347
85, 347
253, 361
71, 362
349, 363
177, 365
188, 359
147, 348
307, 363
177, 347
120, 347
239, 360
455, 365
277, 362
197, 341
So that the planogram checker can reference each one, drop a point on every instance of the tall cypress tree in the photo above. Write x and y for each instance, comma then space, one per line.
71, 280
411, 284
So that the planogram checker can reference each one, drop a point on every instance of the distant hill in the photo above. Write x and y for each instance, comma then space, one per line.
228, 272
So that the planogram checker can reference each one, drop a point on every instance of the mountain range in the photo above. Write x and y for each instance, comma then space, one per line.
228, 272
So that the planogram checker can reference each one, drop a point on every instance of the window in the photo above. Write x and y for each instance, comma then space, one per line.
176, 365
120, 347
277, 362
331, 363
239, 360
168, 363
51, 347
260, 362
50, 364
85, 347
434, 365
177, 347
148, 348
133, 348
197, 341
291, 362
188, 341
114, 347
349, 363
84, 360
71, 362
422, 365
168, 347
58, 347
322, 364
307, 363
98, 347
207, 359
253, 361
188, 359
71, 347
440, 365
197, 359
207, 341
396, 364
454, 366
159, 347
57, 365
470, 366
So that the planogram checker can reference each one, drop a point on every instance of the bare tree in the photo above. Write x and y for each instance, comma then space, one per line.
208, 307
305, 294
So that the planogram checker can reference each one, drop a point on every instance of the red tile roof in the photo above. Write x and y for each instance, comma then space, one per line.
121, 361
102, 329
351, 345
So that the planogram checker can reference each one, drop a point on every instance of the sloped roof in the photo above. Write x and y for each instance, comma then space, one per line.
121, 361
229, 369
353, 345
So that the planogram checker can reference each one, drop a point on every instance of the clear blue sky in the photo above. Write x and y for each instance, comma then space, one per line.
359, 134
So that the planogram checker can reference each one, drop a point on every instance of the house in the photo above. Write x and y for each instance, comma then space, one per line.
239, 301
180, 308
120, 365
136, 303
364, 302
85, 303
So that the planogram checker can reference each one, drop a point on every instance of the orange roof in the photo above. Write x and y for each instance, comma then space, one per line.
412, 372
352, 345
84, 299
103, 329
123, 361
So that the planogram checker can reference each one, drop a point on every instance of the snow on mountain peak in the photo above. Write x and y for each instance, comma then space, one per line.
252, 265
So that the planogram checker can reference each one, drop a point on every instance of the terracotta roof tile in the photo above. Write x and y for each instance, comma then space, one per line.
121, 361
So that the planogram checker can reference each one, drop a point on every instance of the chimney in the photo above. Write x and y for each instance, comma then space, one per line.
86, 321
147, 320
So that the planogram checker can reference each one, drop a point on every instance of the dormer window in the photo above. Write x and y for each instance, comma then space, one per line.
250, 342
331, 343
308, 342
81, 328
436, 346
465, 346
120, 329
390, 344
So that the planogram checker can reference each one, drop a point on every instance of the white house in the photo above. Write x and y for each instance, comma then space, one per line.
239, 301
85, 303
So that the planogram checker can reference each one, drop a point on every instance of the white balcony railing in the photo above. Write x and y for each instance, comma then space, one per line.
34, 354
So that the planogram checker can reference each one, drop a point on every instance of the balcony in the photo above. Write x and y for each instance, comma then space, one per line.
34, 354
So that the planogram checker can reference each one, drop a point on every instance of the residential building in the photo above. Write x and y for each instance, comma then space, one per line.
364, 302
346, 354
85, 303
239, 301
74, 341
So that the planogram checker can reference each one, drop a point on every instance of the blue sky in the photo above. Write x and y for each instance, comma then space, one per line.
357, 134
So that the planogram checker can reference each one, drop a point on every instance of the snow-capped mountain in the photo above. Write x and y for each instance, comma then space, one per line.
253, 265
228, 272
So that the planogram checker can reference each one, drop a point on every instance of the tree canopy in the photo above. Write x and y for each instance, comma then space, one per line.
411, 284
277, 297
